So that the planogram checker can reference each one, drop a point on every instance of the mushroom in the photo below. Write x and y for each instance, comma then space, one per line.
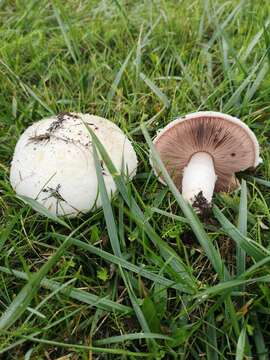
53, 162
202, 152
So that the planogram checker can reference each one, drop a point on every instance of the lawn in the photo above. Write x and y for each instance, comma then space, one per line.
146, 277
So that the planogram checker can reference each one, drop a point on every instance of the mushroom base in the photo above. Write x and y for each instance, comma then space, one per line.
199, 178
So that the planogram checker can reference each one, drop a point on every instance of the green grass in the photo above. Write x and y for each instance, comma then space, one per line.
145, 277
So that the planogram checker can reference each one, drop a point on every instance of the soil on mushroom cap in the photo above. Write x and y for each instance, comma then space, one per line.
53, 127
61, 117
39, 138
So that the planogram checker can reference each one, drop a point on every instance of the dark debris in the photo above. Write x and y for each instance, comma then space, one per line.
200, 203
39, 138
61, 117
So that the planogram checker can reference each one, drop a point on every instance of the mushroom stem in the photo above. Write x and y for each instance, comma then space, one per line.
199, 177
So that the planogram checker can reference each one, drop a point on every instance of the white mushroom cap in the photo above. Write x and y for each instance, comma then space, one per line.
229, 141
53, 162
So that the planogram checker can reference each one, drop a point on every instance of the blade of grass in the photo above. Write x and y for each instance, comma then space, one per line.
197, 227
262, 350
73, 293
48, 297
267, 41
188, 78
125, 17
235, 96
240, 348
5, 232
114, 240
34, 95
23, 299
106, 206
171, 265
149, 122
223, 25
27, 90
84, 347
251, 91
252, 248
260, 181
64, 27
167, 252
241, 259
124, 263
118, 77
242, 227
42, 210
128, 337
227, 47
212, 339
211, 252
255, 267
138, 58
181, 219
228, 285
44, 330
254, 41
155, 90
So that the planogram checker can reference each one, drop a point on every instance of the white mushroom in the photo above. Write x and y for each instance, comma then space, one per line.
202, 152
53, 162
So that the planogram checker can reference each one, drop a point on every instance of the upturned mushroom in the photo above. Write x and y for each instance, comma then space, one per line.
53, 162
202, 152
